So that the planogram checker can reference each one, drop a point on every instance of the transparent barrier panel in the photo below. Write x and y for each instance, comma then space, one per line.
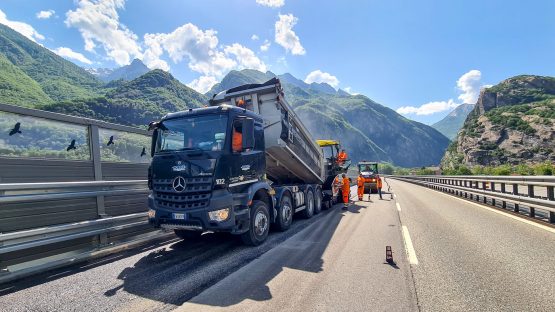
26, 136
124, 146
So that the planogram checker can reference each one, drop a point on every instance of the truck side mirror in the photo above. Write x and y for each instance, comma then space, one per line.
153, 142
248, 133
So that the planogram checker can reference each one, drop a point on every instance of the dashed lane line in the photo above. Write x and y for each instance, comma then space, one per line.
409, 247
398, 206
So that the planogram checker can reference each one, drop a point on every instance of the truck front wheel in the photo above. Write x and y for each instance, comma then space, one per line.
285, 213
259, 224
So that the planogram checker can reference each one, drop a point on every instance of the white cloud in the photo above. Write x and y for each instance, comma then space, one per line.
320, 76
350, 91
202, 51
70, 54
245, 57
265, 46
286, 37
188, 41
254, 37
470, 86
428, 108
271, 3
45, 14
98, 23
22, 28
203, 84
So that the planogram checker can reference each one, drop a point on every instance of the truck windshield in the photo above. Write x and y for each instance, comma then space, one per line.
372, 168
206, 133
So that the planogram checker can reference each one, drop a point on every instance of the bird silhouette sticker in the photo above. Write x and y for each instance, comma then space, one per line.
16, 129
71, 146
143, 153
111, 141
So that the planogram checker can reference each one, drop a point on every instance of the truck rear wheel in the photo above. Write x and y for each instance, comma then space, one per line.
318, 201
188, 235
284, 213
308, 211
259, 224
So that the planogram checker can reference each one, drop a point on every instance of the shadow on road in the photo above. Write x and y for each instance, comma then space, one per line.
304, 252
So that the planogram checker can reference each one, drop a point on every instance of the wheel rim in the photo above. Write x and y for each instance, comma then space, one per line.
287, 213
310, 203
260, 223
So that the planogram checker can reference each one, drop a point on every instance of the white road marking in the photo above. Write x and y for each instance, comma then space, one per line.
541, 226
398, 206
395, 195
409, 247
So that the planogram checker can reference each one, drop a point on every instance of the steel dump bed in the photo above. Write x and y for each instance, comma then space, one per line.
292, 155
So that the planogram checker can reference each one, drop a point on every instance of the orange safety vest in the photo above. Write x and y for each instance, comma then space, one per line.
379, 180
346, 185
237, 141
342, 157
360, 181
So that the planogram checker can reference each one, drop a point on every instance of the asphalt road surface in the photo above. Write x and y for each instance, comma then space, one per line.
450, 255
471, 258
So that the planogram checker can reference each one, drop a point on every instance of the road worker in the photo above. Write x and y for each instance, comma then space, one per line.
379, 185
237, 139
346, 188
341, 157
360, 185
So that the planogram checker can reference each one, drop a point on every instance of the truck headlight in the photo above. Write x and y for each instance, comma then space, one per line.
219, 215
151, 213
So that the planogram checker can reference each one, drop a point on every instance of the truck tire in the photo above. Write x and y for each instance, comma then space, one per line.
188, 235
259, 224
308, 211
284, 213
318, 201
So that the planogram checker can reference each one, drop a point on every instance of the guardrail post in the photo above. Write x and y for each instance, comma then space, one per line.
95, 155
503, 203
515, 192
531, 191
551, 196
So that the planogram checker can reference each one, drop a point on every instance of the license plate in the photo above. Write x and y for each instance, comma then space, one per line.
179, 216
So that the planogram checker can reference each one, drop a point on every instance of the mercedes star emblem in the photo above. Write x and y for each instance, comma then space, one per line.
179, 184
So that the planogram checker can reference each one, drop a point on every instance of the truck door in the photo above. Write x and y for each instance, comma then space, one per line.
248, 161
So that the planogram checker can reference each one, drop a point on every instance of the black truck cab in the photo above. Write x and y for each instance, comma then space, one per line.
198, 182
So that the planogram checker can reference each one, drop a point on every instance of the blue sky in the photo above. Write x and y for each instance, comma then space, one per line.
421, 58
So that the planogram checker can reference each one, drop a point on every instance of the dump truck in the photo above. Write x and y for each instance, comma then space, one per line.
239, 165
369, 171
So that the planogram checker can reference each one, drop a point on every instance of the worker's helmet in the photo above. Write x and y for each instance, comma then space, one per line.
343, 175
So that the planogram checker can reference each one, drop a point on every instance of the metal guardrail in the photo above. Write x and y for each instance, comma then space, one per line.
87, 206
500, 191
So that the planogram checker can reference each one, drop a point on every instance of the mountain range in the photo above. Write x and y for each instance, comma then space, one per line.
128, 72
512, 123
450, 125
33, 76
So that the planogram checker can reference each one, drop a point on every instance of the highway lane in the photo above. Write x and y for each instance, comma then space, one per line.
341, 253
337, 264
156, 277
473, 259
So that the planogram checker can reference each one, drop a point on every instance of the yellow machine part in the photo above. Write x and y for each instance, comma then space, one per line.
323, 143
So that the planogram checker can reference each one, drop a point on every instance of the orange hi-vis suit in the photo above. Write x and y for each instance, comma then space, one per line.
342, 157
237, 141
379, 184
345, 190
360, 184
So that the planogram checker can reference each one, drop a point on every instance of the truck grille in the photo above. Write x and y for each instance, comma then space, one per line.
196, 194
